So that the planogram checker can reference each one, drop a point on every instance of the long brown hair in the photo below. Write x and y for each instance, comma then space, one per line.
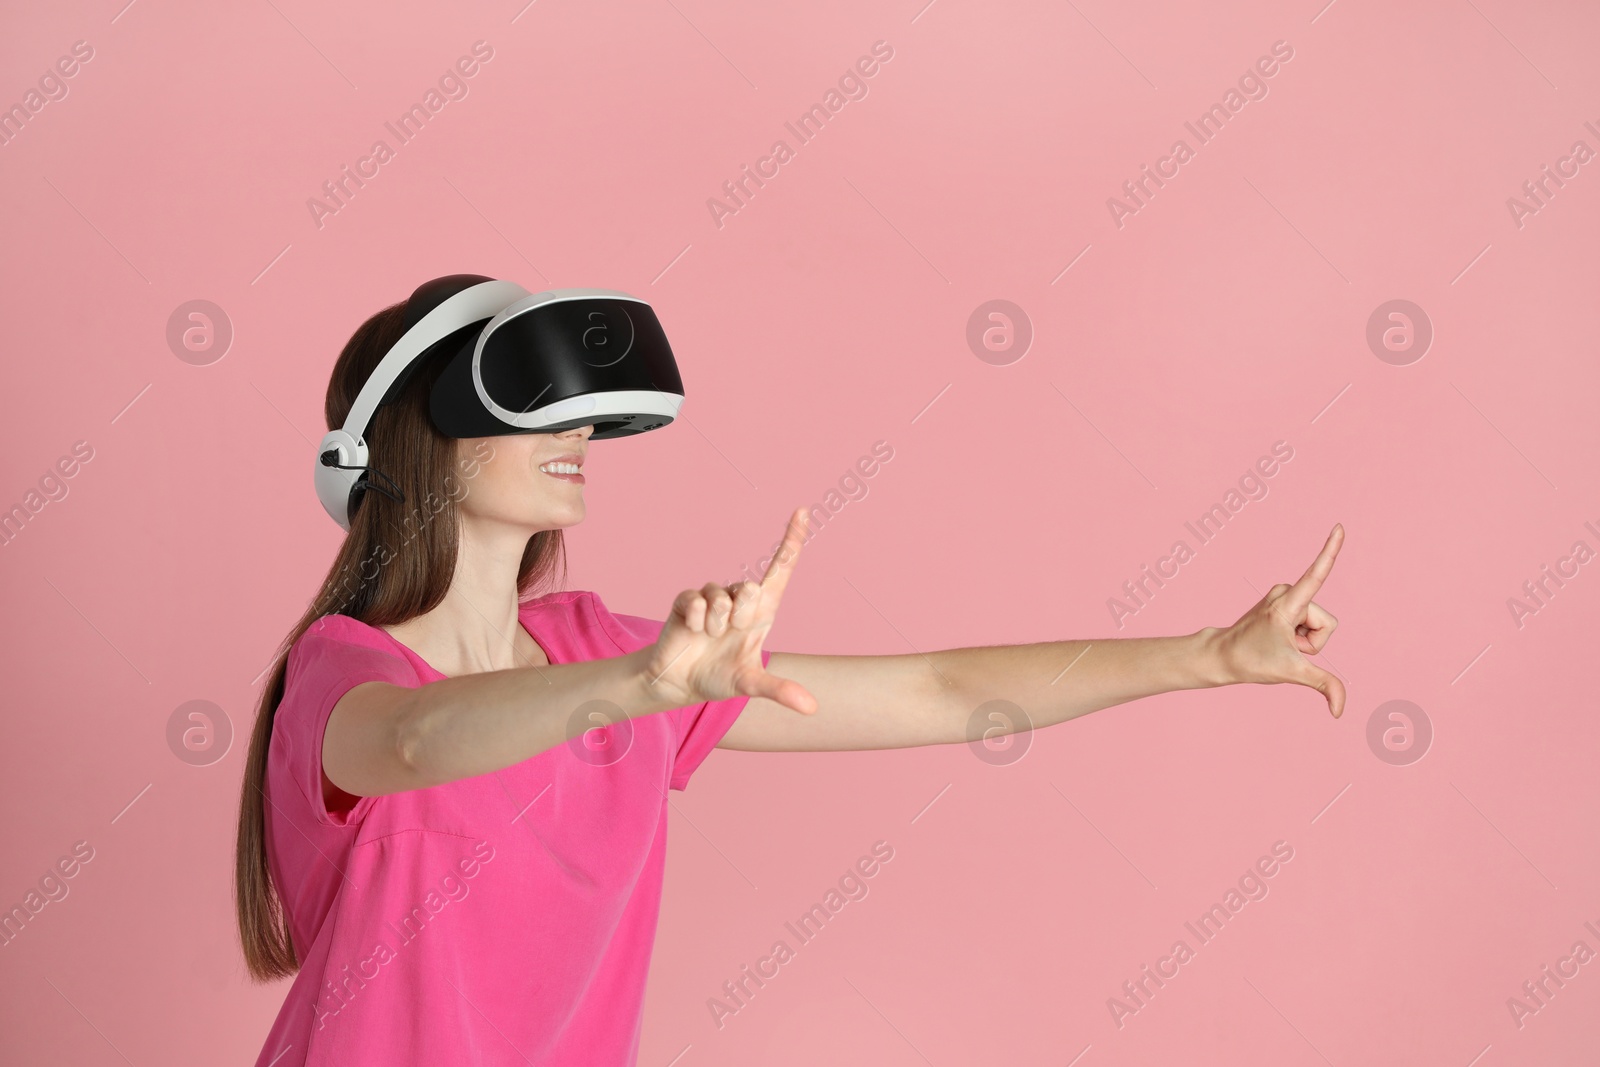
396, 562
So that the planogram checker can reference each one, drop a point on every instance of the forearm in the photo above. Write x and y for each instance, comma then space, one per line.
477, 723
1059, 680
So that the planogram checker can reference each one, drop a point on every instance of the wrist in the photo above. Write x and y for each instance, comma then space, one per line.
1208, 659
644, 693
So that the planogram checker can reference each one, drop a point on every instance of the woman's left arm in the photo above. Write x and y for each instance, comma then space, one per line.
902, 701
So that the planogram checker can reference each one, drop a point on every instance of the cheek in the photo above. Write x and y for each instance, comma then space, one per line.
509, 482
495, 483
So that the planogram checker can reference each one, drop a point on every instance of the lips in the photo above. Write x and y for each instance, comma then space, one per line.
572, 458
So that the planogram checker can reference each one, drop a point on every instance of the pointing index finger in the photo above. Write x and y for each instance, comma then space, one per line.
1298, 598
781, 567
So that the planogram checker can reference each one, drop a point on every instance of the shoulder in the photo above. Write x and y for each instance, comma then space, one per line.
332, 631
338, 647
589, 617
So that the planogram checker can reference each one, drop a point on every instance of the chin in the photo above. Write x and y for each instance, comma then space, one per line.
536, 515
562, 515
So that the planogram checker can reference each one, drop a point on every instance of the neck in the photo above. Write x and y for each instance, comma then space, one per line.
476, 627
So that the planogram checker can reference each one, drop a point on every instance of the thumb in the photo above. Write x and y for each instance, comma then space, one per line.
1325, 683
785, 691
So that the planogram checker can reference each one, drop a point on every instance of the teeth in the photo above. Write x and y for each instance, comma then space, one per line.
560, 468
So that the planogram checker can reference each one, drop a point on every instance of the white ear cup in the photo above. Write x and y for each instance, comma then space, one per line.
333, 484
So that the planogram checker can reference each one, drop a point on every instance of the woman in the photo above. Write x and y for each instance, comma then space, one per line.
453, 820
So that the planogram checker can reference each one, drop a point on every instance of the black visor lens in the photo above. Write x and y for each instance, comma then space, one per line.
570, 347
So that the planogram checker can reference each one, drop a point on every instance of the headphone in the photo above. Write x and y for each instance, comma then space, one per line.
517, 362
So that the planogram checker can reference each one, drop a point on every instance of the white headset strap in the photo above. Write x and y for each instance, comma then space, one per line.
481, 301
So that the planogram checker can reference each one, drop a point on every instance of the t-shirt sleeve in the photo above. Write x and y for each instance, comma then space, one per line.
328, 660
698, 727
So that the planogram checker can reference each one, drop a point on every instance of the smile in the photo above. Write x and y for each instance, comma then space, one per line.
566, 472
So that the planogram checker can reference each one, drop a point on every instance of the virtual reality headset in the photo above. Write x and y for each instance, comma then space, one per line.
518, 362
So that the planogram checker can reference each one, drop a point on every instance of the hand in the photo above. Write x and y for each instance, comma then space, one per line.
1269, 643
709, 648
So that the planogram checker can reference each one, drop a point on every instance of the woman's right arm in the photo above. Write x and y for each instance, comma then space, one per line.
383, 738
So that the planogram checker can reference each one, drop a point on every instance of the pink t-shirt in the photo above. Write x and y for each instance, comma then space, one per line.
501, 919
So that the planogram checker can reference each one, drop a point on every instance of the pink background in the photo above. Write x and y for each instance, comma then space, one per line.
828, 314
